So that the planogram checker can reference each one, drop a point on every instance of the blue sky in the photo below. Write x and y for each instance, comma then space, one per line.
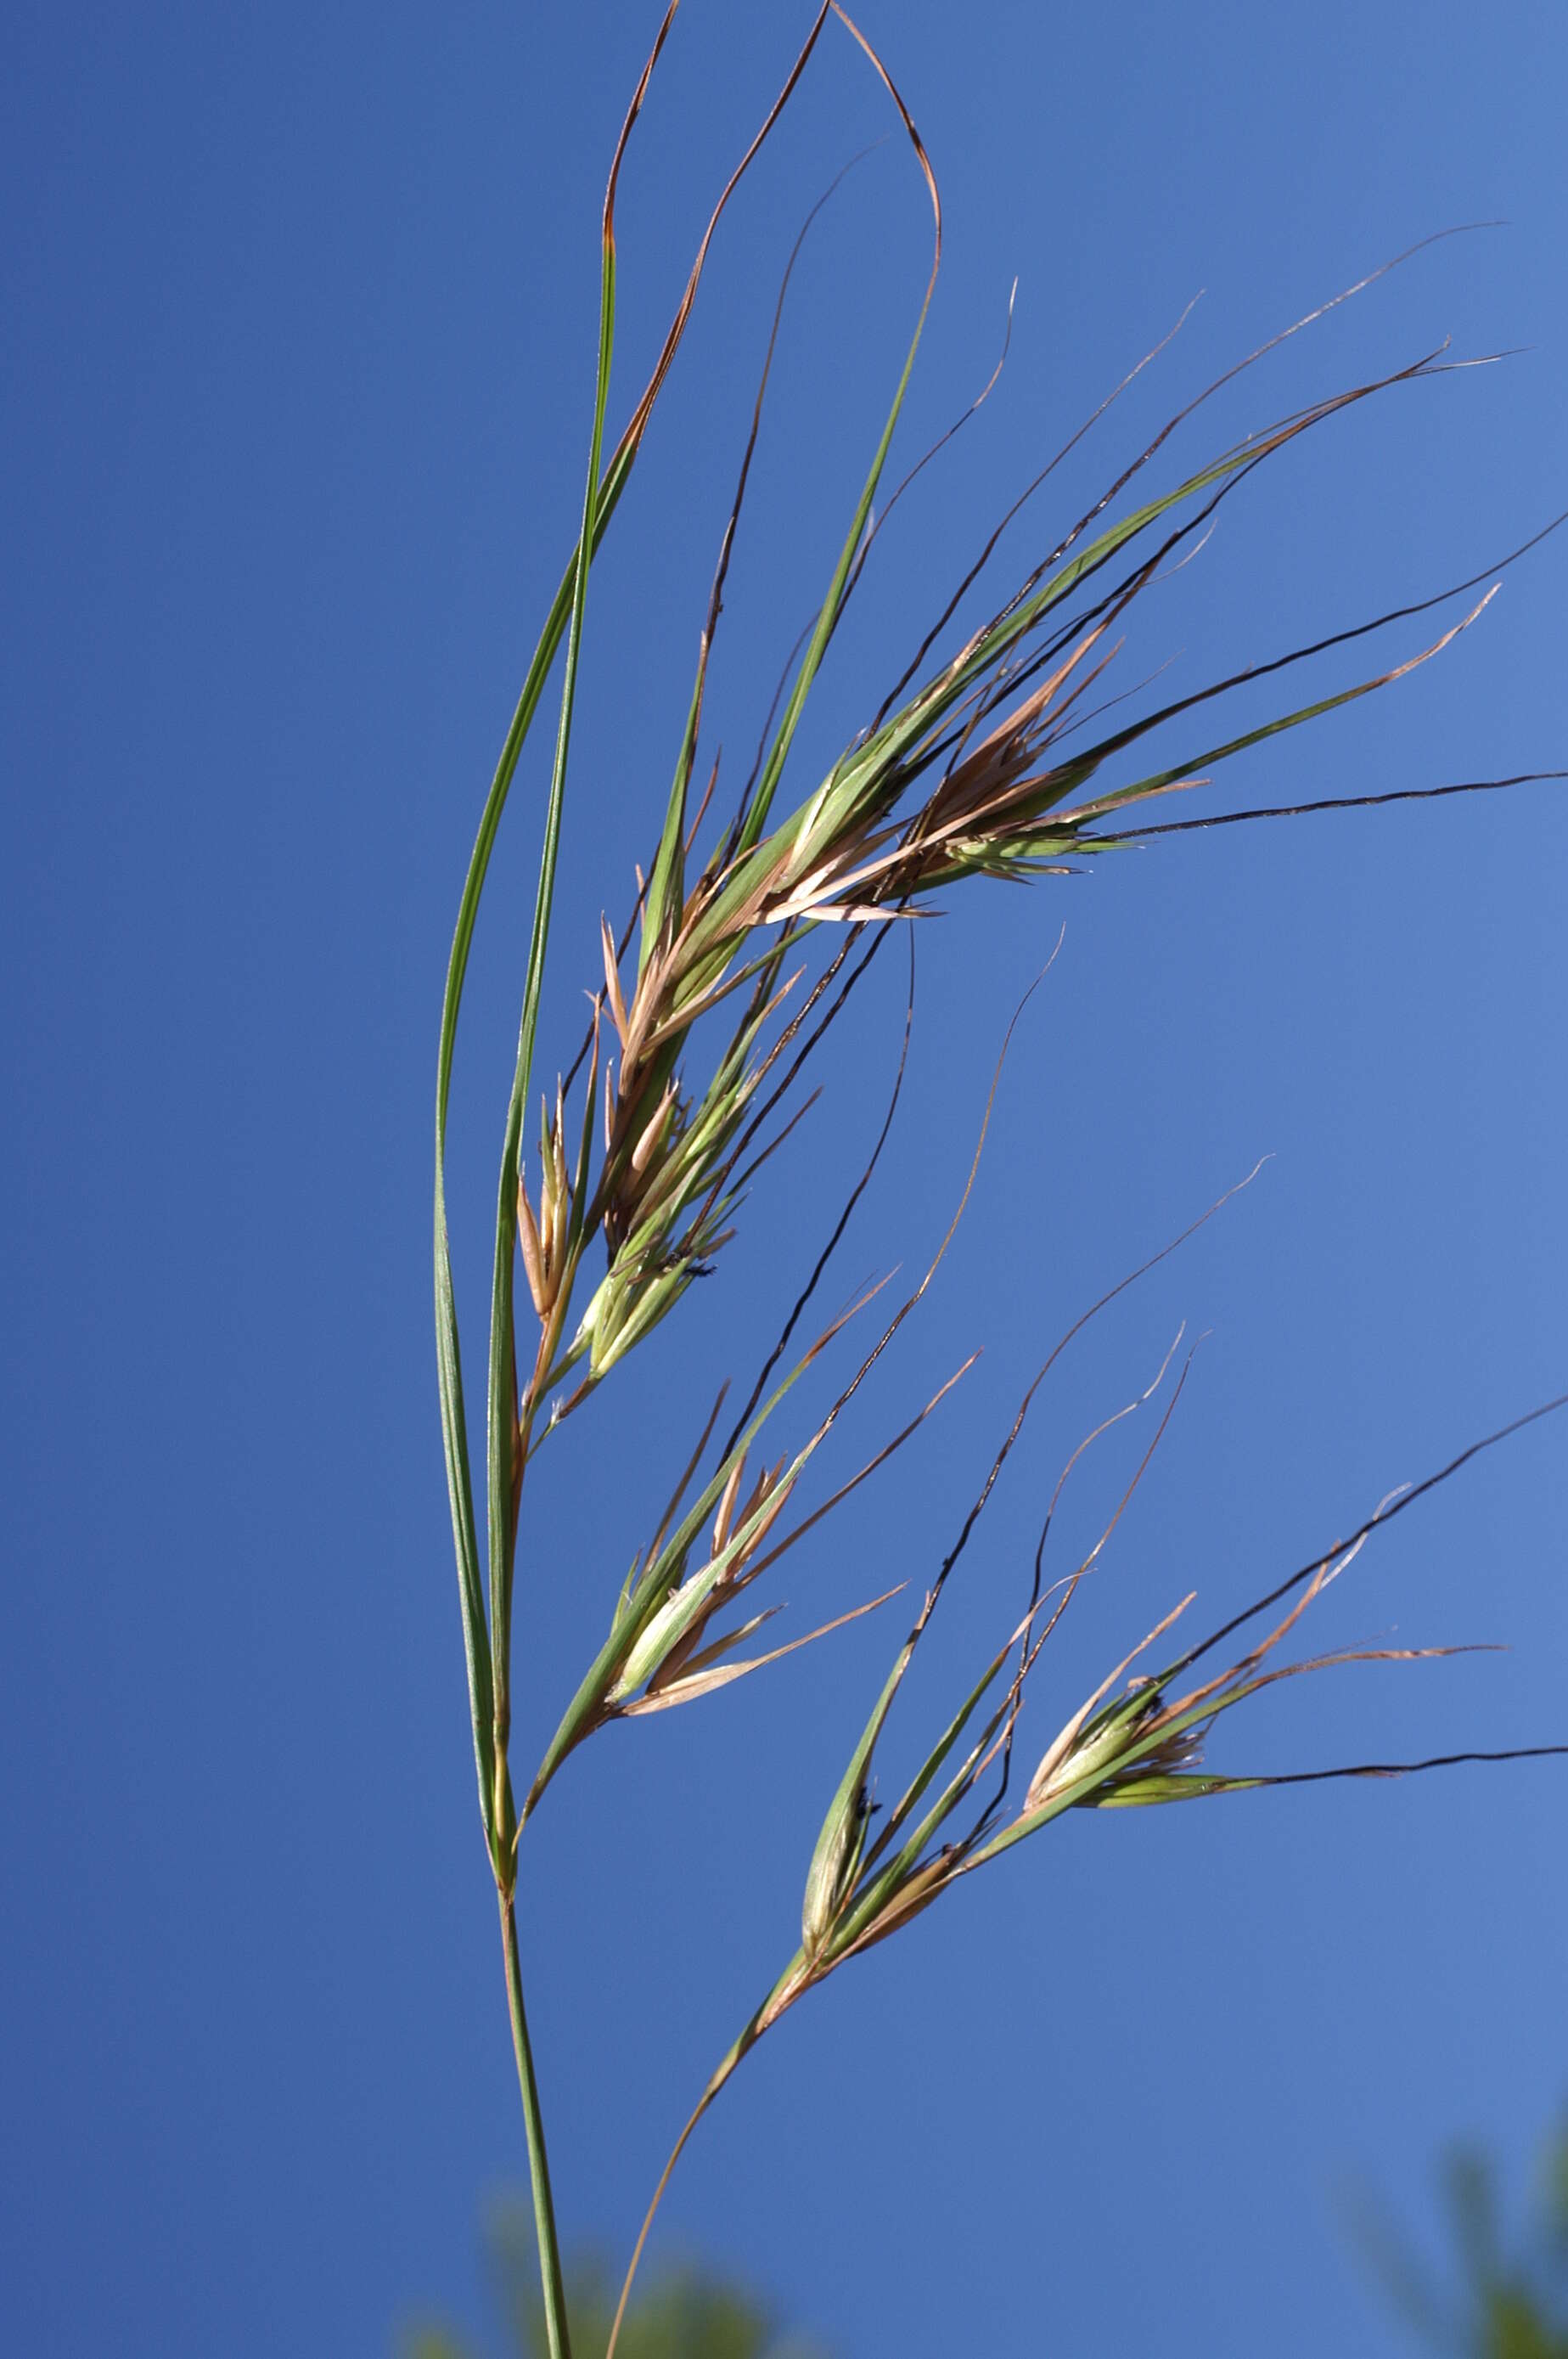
301, 311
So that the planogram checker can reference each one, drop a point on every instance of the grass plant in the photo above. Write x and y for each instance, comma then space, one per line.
1005, 751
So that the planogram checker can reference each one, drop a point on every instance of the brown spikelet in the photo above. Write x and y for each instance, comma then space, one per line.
613, 980
727, 1503
533, 1257
643, 1153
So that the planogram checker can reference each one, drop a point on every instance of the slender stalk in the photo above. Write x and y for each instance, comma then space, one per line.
538, 2162
788, 1987
703, 2103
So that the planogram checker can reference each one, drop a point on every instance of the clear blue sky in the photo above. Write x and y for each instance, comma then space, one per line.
300, 306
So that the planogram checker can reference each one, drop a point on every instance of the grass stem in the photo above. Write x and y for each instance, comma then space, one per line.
550, 2278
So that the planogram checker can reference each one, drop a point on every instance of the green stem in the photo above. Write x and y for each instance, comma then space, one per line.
538, 2163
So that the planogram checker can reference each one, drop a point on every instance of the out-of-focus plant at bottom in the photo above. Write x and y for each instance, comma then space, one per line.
688, 2312
1494, 2302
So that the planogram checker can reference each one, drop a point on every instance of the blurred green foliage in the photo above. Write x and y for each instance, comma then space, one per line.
1506, 2303
687, 2313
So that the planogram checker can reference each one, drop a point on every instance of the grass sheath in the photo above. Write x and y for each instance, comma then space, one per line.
995, 760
